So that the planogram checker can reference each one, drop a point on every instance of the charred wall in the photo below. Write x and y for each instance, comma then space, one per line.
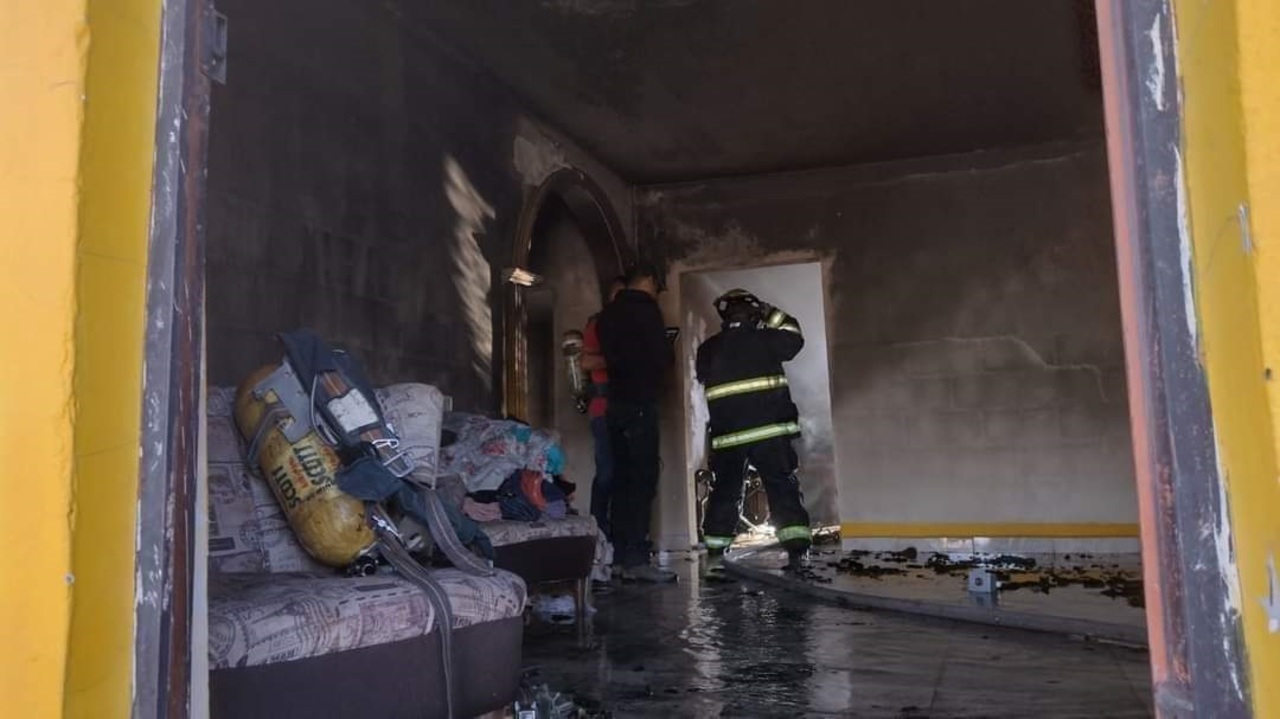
366, 181
974, 327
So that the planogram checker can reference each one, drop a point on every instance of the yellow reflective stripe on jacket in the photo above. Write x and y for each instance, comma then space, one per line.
758, 384
755, 434
718, 542
780, 320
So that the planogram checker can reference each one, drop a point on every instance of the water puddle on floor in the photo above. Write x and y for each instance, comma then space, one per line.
715, 646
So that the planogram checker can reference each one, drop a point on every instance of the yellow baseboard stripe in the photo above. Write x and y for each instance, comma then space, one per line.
1031, 530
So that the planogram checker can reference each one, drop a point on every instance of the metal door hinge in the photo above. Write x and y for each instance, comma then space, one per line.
215, 44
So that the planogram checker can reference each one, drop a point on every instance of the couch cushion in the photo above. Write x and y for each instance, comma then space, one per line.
476, 600
257, 619
415, 412
508, 532
266, 618
234, 534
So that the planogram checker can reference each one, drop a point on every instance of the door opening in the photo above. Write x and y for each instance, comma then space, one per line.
798, 289
568, 203
569, 292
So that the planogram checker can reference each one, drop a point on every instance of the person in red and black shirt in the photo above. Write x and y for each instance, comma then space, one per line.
593, 362
638, 352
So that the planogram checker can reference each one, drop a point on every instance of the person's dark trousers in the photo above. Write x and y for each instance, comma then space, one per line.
633, 436
602, 485
776, 462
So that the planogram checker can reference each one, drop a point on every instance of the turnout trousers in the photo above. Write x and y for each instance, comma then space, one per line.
776, 462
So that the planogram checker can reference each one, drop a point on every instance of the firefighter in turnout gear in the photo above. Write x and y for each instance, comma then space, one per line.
753, 420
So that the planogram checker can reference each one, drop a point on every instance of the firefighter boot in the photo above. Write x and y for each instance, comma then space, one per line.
797, 559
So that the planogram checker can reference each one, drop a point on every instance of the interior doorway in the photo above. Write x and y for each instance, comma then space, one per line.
540, 304
567, 291
567, 221
800, 291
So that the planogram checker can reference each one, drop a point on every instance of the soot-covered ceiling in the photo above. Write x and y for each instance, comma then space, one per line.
669, 90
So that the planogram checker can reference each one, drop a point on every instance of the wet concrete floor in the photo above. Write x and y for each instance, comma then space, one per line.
713, 646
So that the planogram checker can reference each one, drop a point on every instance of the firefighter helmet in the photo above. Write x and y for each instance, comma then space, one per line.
739, 306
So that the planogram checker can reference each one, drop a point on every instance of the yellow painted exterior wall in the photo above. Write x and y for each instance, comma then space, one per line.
1259, 38
76, 143
1259, 42
1228, 53
116, 157
42, 78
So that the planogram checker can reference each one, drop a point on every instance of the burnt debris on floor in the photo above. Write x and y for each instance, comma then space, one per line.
1013, 573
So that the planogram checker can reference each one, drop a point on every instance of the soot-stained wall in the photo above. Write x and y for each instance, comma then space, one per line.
365, 181
973, 319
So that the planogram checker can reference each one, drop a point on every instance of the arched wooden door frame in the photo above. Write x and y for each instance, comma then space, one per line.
610, 253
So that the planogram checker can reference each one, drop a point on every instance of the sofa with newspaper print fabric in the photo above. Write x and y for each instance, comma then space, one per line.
289, 637
547, 550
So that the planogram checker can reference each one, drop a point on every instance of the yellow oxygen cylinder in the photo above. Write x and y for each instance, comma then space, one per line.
329, 523
571, 347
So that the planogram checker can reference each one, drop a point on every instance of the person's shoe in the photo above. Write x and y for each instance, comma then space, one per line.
647, 573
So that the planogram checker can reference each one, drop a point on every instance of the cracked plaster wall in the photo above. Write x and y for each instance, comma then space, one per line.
973, 318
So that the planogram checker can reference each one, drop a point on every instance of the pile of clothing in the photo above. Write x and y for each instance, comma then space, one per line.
526, 496
510, 470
